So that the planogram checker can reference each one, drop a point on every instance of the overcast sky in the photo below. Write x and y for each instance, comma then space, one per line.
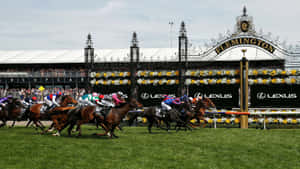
64, 24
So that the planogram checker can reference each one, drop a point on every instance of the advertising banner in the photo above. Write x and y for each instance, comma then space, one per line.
223, 96
150, 95
275, 95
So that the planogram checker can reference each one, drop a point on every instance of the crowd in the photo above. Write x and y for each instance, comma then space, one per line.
34, 92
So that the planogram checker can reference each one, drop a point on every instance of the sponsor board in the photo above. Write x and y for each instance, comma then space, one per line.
150, 95
275, 96
224, 96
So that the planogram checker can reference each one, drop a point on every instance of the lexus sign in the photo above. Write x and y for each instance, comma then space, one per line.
150, 95
224, 96
277, 95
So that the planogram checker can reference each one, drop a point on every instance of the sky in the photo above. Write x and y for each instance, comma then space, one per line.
64, 24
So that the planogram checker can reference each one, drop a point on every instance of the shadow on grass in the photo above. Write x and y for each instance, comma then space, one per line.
85, 136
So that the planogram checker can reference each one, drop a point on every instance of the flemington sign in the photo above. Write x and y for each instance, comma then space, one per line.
245, 41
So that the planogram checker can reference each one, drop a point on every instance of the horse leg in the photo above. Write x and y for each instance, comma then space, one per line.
4, 123
119, 127
41, 124
58, 128
37, 125
70, 128
13, 124
28, 123
112, 132
151, 121
50, 129
79, 123
205, 122
168, 126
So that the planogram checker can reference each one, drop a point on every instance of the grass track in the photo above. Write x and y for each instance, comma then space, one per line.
23, 148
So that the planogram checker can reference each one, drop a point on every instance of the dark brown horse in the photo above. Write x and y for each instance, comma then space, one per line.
59, 115
186, 115
36, 113
11, 111
115, 115
155, 116
78, 116
201, 106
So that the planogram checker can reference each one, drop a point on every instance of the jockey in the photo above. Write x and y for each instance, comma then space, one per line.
4, 100
51, 99
168, 102
184, 98
86, 99
118, 98
95, 98
106, 100
29, 101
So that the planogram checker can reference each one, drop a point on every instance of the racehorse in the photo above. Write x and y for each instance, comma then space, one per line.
186, 115
77, 116
115, 115
12, 111
201, 106
59, 115
155, 115
36, 115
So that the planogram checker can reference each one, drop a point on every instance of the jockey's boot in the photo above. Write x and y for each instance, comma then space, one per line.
182, 113
105, 111
50, 107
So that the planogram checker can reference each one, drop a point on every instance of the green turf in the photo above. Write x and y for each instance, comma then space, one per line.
23, 148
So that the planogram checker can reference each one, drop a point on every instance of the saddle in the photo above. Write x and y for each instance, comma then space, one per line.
159, 112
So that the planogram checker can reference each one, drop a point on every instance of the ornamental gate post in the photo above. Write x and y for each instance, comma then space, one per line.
134, 61
182, 54
244, 90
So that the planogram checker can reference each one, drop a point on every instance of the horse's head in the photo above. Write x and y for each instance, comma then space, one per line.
208, 103
68, 100
134, 103
188, 105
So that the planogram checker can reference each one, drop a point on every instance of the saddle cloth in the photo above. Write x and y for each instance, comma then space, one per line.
159, 112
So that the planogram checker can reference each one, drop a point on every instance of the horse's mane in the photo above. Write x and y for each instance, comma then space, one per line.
63, 98
209, 101
122, 105
200, 104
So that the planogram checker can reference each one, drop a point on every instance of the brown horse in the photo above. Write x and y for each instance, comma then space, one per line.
12, 111
59, 115
115, 115
201, 106
78, 116
36, 115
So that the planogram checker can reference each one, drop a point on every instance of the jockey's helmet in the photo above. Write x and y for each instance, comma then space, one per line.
33, 98
101, 96
58, 93
120, 93
94, 94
